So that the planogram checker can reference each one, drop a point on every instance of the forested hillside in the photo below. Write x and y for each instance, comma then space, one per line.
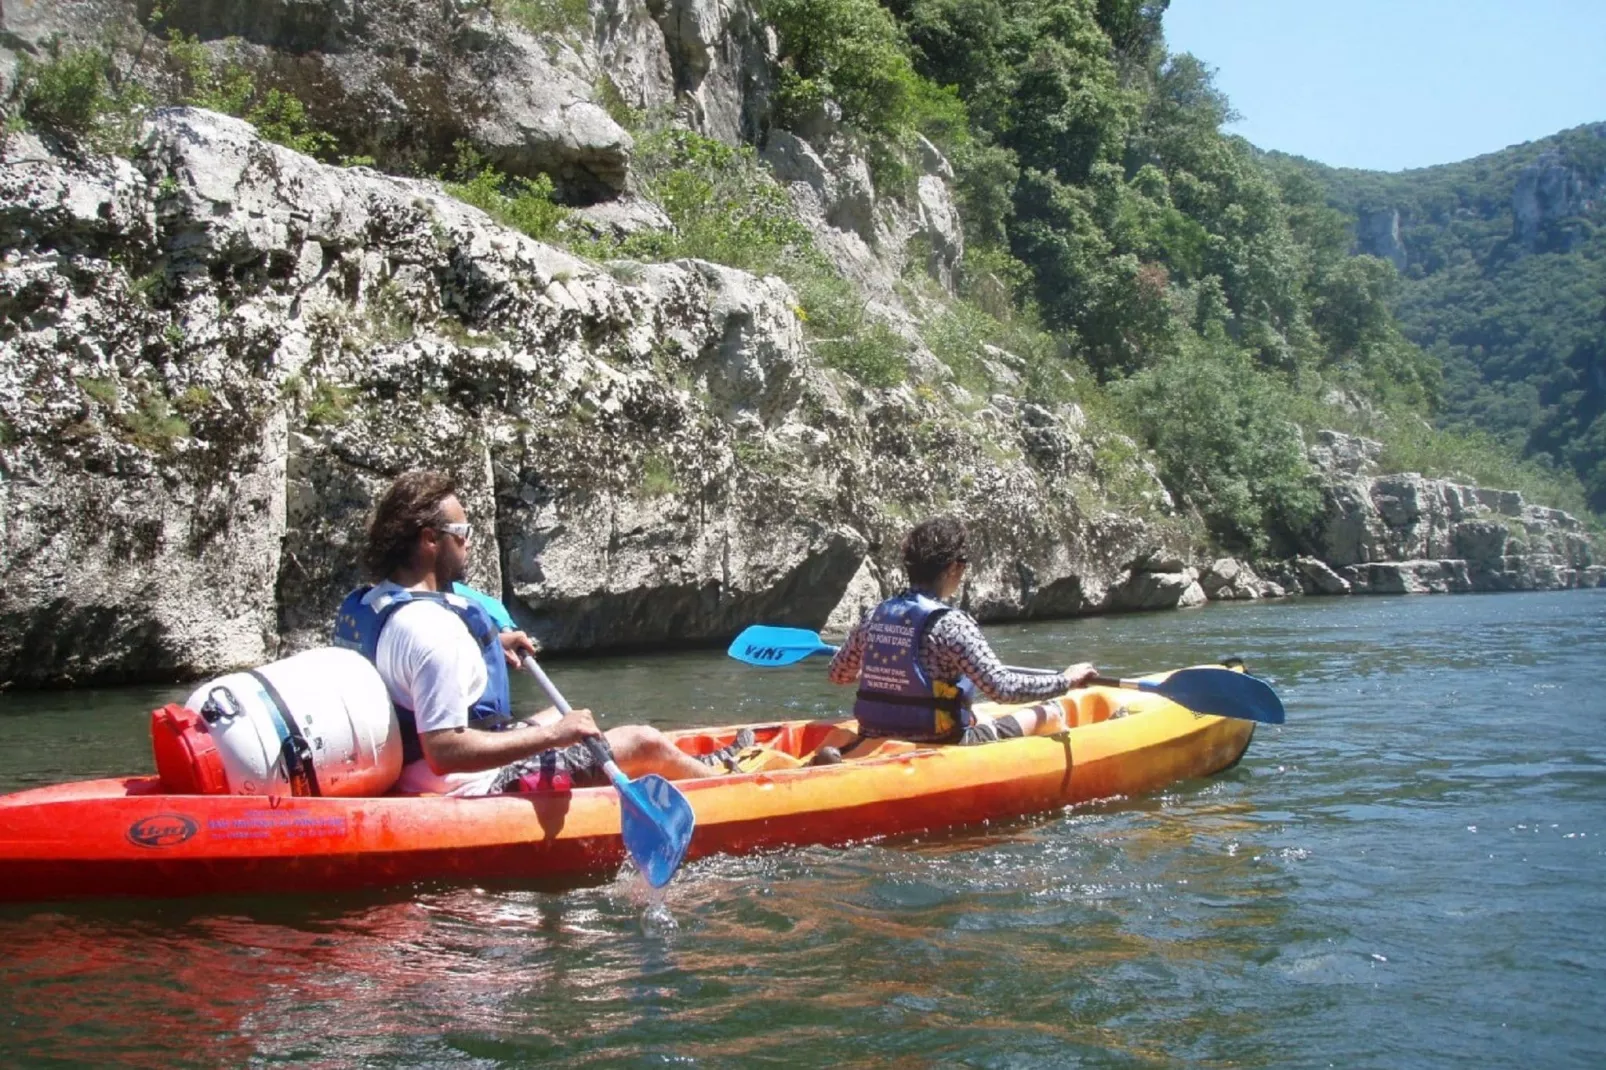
1212, 292
1503, 279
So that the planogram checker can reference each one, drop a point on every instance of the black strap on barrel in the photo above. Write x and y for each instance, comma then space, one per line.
295, 749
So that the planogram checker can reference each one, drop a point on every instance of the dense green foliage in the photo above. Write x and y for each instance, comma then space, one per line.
77, 95
1225, 438
1515, 313
1215, 295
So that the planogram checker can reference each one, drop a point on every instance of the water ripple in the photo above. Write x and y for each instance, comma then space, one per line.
1410, 872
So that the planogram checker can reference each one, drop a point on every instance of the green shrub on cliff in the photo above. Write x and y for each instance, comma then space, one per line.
726, 207
854, 54
542, 17
524, 204
67, 92
83, 94
723, 202
79, 94
281, 117
224, 85
847, 51
1227, 440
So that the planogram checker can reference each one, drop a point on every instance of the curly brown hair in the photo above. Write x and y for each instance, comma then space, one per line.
410, 505
931, 546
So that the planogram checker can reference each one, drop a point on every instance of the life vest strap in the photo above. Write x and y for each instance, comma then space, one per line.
925, 702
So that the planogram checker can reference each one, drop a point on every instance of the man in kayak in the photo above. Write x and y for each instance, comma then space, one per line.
911, 655
445, 662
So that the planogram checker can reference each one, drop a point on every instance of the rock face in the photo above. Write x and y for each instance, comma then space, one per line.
1377, 233
1404, 533
868, 237
212, 361
530, 84
1547, 191
214, 357
1229, 580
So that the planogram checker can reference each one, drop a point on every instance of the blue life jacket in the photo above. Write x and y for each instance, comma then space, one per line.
363, 615
499, 614
896, 697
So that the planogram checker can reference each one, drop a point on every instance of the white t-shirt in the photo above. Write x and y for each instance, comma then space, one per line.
428, 660
430, 665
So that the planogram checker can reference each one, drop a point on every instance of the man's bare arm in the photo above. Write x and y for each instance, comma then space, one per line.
472, 750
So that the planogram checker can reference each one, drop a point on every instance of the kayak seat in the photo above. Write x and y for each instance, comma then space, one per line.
886, 748
1088, 706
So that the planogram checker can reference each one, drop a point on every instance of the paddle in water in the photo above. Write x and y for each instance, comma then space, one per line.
655, 819
1220, 692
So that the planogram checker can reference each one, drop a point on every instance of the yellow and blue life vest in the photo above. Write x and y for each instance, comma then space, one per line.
896, 697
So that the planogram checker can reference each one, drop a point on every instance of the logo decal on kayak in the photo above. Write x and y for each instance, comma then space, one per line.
162, 830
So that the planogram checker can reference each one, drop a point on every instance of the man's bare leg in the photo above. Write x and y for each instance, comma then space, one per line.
640, 749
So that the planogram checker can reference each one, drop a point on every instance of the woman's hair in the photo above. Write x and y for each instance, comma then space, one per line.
412, 504
932, 546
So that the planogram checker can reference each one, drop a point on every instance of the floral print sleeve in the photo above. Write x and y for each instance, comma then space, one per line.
955, 647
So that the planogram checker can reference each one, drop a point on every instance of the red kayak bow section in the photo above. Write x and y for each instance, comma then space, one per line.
128, 838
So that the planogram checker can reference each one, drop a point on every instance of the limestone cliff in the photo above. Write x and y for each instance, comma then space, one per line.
215, 358
215, 350
1403, 534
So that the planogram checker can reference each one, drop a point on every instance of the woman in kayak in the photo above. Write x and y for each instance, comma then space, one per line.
911, 655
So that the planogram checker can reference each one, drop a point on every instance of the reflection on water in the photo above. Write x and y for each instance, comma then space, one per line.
1409, 873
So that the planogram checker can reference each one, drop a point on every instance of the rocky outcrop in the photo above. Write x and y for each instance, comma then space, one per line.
1227, 579
1405, 533
529, 85
212, 361
1316, 577
1548, 191
869, 237
1377, 233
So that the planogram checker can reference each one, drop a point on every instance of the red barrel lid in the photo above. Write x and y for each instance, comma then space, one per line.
186, 756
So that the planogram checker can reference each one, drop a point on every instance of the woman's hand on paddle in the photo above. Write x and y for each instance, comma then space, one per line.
1080, 673
515, 646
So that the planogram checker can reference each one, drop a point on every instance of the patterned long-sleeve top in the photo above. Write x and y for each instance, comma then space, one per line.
952, 648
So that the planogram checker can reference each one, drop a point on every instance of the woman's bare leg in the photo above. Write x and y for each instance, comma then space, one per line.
1044, 719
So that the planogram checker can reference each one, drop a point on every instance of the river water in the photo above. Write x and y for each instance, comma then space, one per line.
1410, 873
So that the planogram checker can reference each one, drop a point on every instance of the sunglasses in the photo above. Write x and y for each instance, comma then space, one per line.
462, 531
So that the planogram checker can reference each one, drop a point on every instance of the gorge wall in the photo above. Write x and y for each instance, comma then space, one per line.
215, 351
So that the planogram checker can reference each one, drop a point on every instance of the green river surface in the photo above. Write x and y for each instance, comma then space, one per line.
1410, 873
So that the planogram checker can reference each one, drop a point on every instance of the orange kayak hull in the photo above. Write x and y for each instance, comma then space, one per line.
126, 837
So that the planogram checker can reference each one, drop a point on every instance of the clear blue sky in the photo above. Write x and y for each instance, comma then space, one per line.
1391, 84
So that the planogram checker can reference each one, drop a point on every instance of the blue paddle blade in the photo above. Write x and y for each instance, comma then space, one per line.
657, 823
764, 645
1221, 692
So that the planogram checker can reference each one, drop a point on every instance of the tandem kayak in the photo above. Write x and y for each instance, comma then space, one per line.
126, 837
